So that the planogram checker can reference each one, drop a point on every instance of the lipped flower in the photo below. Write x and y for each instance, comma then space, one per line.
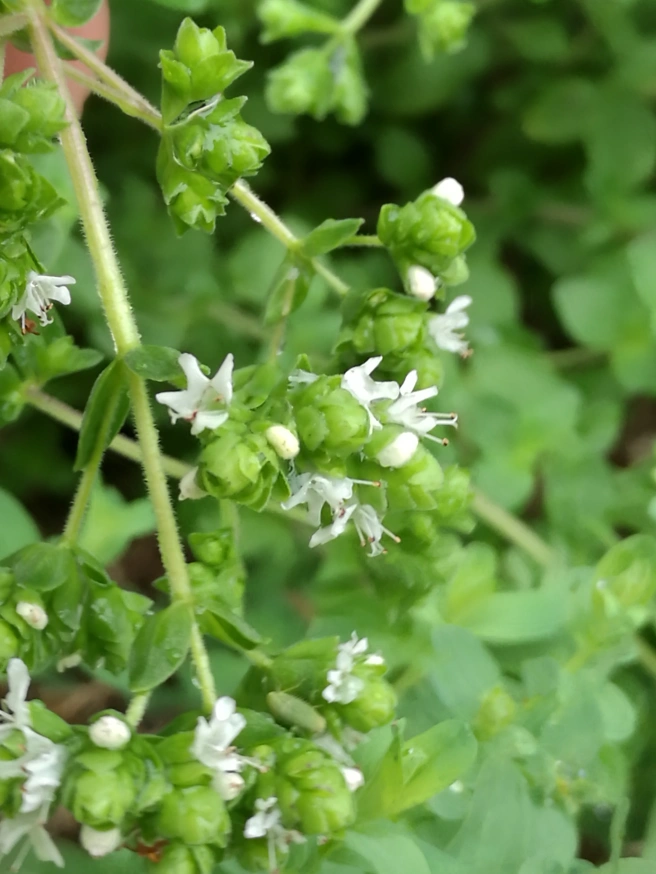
315, 490
343, 686
189, 488
199, 403
266, 823
451, 190
405, 410
213, 747
39, 295
358, 382
41, 765
446, 329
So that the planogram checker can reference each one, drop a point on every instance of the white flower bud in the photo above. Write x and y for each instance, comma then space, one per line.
228, 784
399, 451
450, 189
69, 661
110, 733
100, 843
421, 282
189, 488
283, 441
33, 614
353, 777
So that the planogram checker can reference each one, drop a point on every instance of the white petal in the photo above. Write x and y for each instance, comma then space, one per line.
18, 678
197, 382
459, 303
353, 777
450, 189
222, 382
211, 419
421, 282
189, 488
60, 294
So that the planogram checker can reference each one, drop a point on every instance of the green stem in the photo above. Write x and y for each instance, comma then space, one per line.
82, 498
359, 16
368, 240
137, 709
105, 91
513, 529
11, 23
116, 85
123, 327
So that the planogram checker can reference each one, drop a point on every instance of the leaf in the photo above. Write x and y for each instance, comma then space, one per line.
387, 850
160, 647
112, 523
43, 566
289, 289
462, 670
230, 628
518, 617
18, 529
104, 414
71, 13
330, 235
159, 363
562, 112
642, 261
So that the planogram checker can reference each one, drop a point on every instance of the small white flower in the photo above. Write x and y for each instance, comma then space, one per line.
343, 686
445, 329
354, 778
348, 652
197, 403
399, 451
99, 843
31, 827
315, 490
365, 521
213, 747
189, 488
33, 614
450, 189
44, 768
110, 733
39, 293
405, 410
18, 680
284, 441
358, 382
421, 282
266, 819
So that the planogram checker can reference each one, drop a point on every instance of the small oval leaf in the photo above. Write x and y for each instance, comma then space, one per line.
161, 646
104, 414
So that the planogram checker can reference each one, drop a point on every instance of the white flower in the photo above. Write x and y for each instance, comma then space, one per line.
347, 653
353, 777
41, 764
450, 189
99, 843
33, 614
365, 521
39, 293
399, 451
197, 403
189, 488
69, 661
213, 747
315, 490
110, 733
284, 441
343, 686
302, 377
405, 410
266, 819
421, 282
444, 329
31, 827
358, 382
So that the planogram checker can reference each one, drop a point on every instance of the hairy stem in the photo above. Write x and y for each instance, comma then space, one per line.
360, 15
512, 529
370, 241
123, 327
137, 709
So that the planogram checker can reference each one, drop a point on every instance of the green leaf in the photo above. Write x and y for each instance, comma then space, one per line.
563, 111
330, 235
43, 566
642, 261
112, 523
462, 670
104, 414
160, 647
289, 289
229, 627
518, 617
289, 18
18, 529
159, 363
71, 13
387, 850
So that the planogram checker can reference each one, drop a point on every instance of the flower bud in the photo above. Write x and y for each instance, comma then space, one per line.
293, 711
444, 28
110, 733
242, 467
328, 417
449, 189
354, 778
99, 842
195, 815
415, 486
421, 282
375, 704
399, 451
101, 799
284, 441
302, 84
33, 614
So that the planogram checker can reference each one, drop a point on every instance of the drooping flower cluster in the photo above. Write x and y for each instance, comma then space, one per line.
40, 766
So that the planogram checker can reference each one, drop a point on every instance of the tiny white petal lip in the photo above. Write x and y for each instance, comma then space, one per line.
445, 329
196, 403
358, 382
37, 298
421, 282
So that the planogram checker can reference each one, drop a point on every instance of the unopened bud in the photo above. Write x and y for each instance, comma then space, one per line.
99, 843
450, 189
284, 441
33, 614
399, 451
189, 488
228, 784
421, 282
354, 778
110, 733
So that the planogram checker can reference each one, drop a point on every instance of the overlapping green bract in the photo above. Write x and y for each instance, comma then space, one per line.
206, 146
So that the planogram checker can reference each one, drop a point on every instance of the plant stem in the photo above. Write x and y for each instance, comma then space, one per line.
123, 328
118, 86
359, 16
117, 98
513, 529
82, 497
368, 240
137, 709
11, 23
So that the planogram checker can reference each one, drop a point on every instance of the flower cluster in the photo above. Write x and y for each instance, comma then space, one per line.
343, 685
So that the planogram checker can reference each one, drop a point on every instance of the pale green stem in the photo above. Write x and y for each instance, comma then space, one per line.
123, 328
82, 498
105, 91
137, 709
3, 52
512, 528
371, 241
360, 15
